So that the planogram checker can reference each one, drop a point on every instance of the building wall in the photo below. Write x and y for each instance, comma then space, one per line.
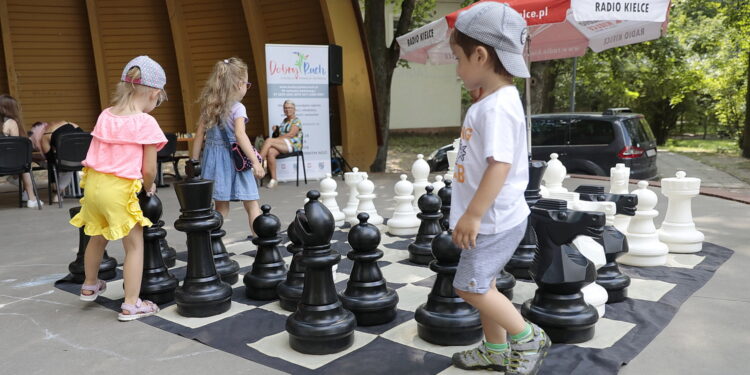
426, 96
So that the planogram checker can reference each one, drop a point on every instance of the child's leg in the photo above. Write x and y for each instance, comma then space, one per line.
28, 187
133, 266
92, 259
253, 210
222, 207
496, 308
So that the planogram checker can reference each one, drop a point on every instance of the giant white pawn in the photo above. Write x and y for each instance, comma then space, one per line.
420, 170
438, 183
366, 197
554, 175
351, 179
328, 198
678, 229
452, 159
645, 249
404, 221
619, 177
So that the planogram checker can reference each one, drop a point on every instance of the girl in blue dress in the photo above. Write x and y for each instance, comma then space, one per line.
223, 118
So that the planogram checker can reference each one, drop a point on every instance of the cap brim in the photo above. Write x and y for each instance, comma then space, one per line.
513, 63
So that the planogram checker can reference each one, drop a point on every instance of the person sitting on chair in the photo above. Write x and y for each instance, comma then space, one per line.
12, 126
289, 140
44, 135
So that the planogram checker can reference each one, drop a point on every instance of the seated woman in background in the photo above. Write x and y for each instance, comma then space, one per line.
288, 140
13, 127
44, 135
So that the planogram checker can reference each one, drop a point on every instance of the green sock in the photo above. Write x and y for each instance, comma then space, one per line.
496, 347
526, 334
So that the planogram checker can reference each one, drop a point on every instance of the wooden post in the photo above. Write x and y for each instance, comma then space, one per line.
184, 63
257, 31
96, 43
8, 49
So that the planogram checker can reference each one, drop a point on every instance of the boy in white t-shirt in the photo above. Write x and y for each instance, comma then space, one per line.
488, 209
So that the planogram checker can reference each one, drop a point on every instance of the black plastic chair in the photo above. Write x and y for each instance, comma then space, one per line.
16, 160
70, 151
166, 155
298, 154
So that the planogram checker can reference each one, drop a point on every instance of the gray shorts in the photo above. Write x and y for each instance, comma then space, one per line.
480, 265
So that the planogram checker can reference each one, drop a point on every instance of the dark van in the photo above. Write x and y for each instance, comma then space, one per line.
592, 143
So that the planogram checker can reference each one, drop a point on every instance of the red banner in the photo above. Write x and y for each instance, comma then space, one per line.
535, 12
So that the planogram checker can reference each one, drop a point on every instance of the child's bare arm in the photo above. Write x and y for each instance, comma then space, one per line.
467, 227
195, 153
148, 169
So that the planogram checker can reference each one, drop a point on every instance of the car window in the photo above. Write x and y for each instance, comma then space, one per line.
591, 132
547, 132
639, 131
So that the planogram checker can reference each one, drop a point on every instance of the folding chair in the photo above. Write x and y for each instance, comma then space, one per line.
70, 151
16, 160
166, 155
296, 154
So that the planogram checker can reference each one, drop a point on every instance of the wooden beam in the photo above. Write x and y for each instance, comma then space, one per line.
184, 64
356, 109
257, 31
10, 65
99, 63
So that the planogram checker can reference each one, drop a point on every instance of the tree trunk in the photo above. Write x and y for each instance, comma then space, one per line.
746, 133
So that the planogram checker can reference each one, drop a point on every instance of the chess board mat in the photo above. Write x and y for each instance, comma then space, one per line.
255, 330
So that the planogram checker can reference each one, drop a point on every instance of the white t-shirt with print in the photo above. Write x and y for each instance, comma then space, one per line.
494, 127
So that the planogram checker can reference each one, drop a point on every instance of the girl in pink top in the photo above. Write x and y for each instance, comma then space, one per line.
120, 162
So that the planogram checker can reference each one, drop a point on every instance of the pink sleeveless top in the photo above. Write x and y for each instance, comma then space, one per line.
117, 144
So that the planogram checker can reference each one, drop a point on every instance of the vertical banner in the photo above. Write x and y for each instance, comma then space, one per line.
299, 73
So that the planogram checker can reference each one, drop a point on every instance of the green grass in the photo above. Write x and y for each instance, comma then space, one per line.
719, 146
419, 143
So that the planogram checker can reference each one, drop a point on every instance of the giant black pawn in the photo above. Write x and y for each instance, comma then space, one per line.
520, 262
202, 293
269, 268
560, 271
320, 325
445, 204
420, 251
157, 284
367, 294
168, 253
446, 319
613, 241
505, 282
227, 268
108, 266
290, 290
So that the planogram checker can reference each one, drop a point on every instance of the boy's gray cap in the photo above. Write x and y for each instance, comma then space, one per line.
152, 74
499, 26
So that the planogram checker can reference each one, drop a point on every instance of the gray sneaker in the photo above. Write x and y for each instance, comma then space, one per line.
526, 357
480, 358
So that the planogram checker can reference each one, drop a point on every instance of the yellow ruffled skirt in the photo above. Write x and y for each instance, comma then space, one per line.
109, 206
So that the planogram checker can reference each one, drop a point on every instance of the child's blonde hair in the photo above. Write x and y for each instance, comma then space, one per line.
221, 90
125, 92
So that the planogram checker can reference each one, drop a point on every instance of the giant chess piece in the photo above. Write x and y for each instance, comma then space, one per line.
352, 179
619, 177
320, 325
520, 262
202, 293
290, 290
227, 268
168, 253
366, 204
446, 319
108, 266
554, 175
367, 294
404, 221
560, 271
452, 154
645, 249
420, 170
438, 184
420, 251
157, 284
328, 198
614, 242
445, 195
269, 268
504, 283
678, 229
